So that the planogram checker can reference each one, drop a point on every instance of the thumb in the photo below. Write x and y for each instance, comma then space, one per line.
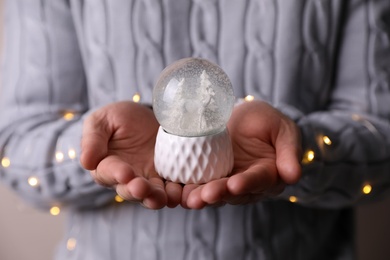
288, 153
94, 141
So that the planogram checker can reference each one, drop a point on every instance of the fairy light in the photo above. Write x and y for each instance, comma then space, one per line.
5, 162
293, 199
55, 211
367, 189
326, 140
72, 153
249, 98
59, 156
119, 199
68, 116
33, 181
308, 156
71, 244
136, 98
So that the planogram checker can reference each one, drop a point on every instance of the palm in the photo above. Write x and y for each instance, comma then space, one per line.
133, 140
254, 157
266, 151
118, 144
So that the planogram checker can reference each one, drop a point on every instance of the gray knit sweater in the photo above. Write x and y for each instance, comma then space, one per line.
324, 63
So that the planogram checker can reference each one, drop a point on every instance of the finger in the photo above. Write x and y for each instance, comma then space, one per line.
187, 189
123, 192
174, 193
157, 198
112, 170
148, 192
97, 178
256, 179
94, 141
139, 188
194, 200
214, 191
288, 153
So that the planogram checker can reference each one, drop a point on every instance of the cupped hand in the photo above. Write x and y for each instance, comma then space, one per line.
118, 148
267, 148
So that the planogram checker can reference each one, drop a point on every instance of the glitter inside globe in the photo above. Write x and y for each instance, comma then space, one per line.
193, 97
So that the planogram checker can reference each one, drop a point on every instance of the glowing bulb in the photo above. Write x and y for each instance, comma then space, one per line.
136, 98
367, 189
326, 140
293, 199
249, 98
119, 199
55, 211
72, 153
308, 156
33, 181
68, 116
193, 97
5, 162
59, 156
71, 244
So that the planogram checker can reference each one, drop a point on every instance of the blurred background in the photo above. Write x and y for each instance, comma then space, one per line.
25, 233
29, 234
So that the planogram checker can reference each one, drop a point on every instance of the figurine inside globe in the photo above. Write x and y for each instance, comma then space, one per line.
193, 97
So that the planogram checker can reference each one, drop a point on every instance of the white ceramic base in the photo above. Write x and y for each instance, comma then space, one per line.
193, 159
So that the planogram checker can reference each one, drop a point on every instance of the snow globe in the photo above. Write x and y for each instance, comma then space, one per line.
193, 100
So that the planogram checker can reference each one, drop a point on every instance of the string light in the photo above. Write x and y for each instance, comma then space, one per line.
326, 140
119, 199
136, 98
293, 199
5, 162
33, 181
367, 189
72, 153
68, 116
249, 98
55, 211
308, 156
59, 156
71, 244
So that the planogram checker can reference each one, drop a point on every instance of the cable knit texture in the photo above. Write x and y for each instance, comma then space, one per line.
324, 63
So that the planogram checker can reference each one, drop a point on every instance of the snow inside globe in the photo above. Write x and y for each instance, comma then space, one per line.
193, 97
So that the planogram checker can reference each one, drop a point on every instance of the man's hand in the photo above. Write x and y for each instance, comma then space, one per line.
118, 148
266, 146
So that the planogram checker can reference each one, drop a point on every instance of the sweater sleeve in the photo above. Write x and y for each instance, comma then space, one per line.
43, 102
346, 158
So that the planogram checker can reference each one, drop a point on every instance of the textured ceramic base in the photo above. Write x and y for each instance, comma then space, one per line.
193, 159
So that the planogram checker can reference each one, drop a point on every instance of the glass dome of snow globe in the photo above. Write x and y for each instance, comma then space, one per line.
193, 97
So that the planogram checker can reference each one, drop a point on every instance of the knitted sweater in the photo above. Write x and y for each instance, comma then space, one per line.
324, 63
